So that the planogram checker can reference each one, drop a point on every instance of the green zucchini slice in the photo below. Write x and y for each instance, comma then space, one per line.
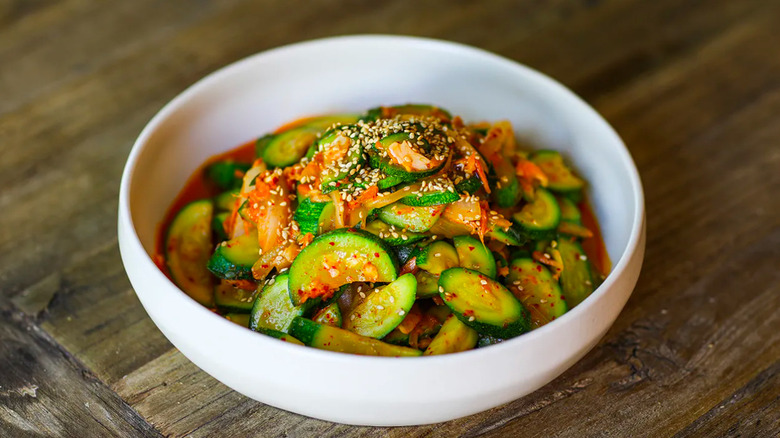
241, 319
330, 338
576, 279
535, 287
233, 259
383, 309
282, 336
453, 337
218, 226
539, 218
226, 200
232, 299
474, 255
414, 219
336, 258
392, 235
483, 304
410, 109
561, 178
272, 309
569, 210
286, 148
308, 215
427, 284
436, 257
342, 143
187, 250
329, 315
227, 174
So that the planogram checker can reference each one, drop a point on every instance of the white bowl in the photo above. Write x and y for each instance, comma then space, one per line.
255, 95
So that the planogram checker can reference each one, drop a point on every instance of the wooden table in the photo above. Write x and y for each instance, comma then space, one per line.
692, 86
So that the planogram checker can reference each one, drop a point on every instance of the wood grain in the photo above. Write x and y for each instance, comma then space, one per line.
692, 86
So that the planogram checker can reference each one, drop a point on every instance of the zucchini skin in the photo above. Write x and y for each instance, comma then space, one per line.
384, 309
310, 281
453, 337
500, 314
272, 309
233, 260
335, 339
535, 287
187, 248
473, 254
576, 279
539, 219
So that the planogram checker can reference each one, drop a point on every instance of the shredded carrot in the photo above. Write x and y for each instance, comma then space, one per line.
529, 171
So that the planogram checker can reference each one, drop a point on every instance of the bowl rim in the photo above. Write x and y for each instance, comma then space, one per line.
126, 224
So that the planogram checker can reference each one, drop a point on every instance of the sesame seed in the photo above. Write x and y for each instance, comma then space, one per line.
471, 318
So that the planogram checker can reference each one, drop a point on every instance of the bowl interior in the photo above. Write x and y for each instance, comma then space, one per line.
253, 97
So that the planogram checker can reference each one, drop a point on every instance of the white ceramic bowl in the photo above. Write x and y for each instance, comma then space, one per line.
255, 95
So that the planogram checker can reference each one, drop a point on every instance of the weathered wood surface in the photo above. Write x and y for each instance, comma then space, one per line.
692, 86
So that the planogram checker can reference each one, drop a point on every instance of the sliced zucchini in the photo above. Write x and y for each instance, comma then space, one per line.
344, 156
561, 178
411, 109
453, 337
218, 226
535, 287
510, 236
233, 259
397, 337
396, 173
436, 257
286, 148
308, 215
241, 319
330, 338
227, 175
383, 309
279, 335
229, 298
474, 255
272, 309
392, 235
187, 250
327, 122
427, 284
569, 210
329, 315
469, 185
336, 258
404, 253
483, 304
504, 188
226, 200
410, 218
540, 218
576, 279
433, 191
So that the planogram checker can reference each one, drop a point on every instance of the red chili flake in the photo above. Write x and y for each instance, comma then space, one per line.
376, 254
331, 243
265, 266
468, 312
471, 248
539, 268
563, 298
552, 304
